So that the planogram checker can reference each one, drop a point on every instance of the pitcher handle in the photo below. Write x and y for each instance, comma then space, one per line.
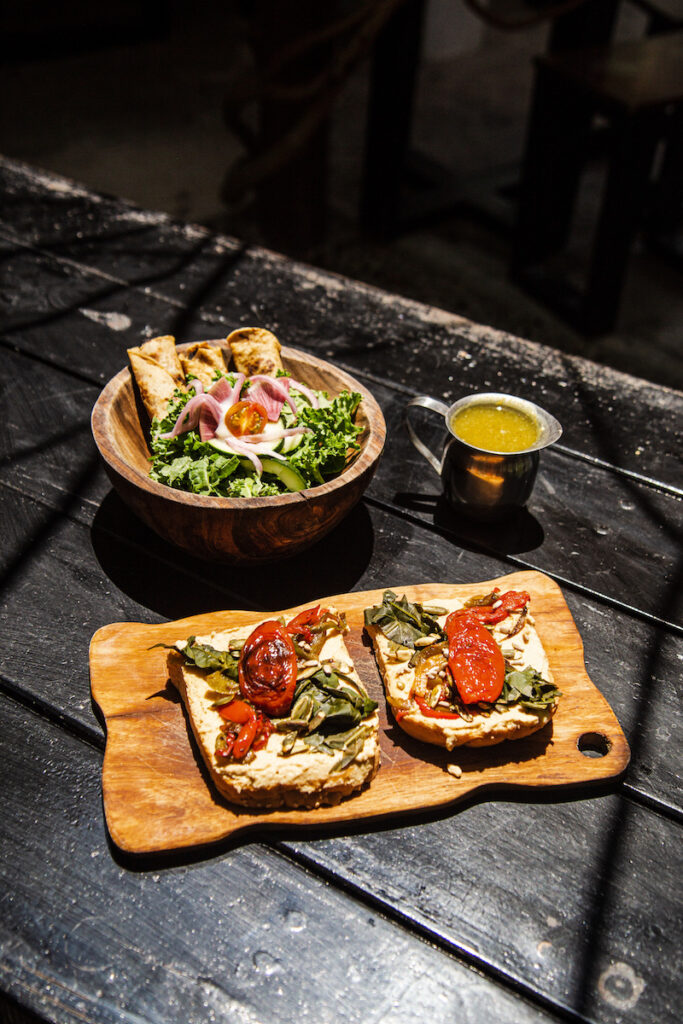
436, 406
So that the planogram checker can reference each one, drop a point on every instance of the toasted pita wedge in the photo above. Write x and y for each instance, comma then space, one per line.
486, 726
203, 360
255, 350
158, 372
305, 776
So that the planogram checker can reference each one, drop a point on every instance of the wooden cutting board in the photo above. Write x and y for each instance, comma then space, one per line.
158, 795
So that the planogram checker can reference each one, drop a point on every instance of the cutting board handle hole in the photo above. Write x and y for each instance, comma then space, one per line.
594, 744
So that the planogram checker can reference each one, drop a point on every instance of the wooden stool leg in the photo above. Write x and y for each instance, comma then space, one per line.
630, 165
665, 216
390, 107
558, 134
559, 127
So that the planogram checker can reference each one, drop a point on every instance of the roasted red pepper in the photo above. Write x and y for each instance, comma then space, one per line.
433, 712
474, 658
267, 669
245, 738
301, 623
253, 734
237, 711
510, 601
227, 743
264, 727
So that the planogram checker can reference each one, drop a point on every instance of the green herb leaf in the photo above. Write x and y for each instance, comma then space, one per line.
402, 621
528, 688
205, 656
187, 463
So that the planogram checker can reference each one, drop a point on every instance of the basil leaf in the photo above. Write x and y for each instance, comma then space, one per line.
205, 656
402, 621
528, 688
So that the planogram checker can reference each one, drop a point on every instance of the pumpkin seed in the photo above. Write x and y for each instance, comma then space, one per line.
433, 696
425, 641
306, 673
317, 720
288, 742
403, 654
351, 751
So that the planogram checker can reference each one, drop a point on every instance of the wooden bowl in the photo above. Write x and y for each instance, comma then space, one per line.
235, 530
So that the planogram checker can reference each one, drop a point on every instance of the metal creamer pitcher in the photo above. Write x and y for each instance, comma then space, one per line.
486, 485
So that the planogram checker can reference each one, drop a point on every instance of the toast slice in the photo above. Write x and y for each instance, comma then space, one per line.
301, 765
413, 676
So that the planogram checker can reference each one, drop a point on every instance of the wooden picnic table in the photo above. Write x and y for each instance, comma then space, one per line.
560, 905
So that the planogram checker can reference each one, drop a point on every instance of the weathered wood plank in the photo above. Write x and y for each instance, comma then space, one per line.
244, 936
563, 896
606, 414
585, 935
584, 524
53, 472
69, 573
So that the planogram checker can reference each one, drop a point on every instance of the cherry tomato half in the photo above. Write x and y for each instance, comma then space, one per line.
474, 659
267, 669
246, 418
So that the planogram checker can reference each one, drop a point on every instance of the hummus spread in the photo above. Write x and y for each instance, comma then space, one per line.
304, 777
522, 650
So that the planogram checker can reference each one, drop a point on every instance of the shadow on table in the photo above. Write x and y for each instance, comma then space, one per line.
294, 839
521, 532
172, 583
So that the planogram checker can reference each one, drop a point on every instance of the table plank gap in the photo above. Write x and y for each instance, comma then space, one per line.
522, 563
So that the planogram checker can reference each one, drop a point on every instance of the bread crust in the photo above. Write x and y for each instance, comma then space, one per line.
255, 350
484, 730
203, 360
157, 372
301, 779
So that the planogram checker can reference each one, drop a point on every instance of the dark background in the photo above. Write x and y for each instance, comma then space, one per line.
174, 106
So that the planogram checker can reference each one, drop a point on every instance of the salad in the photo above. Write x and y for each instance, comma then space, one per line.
253, 436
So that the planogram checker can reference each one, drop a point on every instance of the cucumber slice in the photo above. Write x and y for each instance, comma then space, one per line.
290, 443
285, 472
261, 448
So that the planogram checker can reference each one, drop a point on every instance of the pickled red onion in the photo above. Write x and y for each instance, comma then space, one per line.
278, 387
275, 435
243, 449
306, 392
221, 390
236, 391
189, 415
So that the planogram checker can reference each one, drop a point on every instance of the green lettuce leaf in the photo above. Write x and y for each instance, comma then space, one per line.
190, 464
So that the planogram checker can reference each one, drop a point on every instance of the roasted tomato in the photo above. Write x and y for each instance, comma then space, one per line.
301, 623
254, 729
267, 669
474, 659
237, 711
246, 418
